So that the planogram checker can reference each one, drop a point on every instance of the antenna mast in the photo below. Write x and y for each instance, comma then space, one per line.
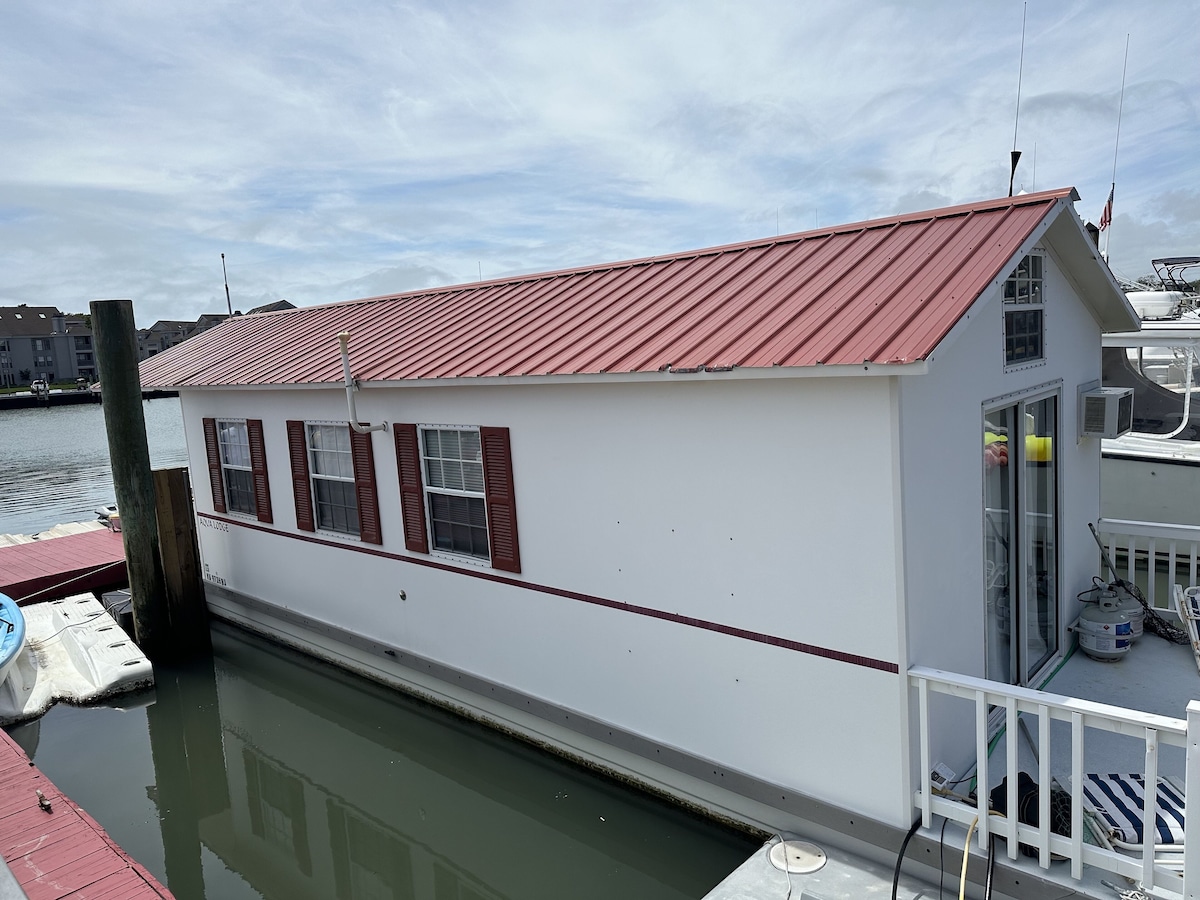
228, 302
1015, 155
1106, 217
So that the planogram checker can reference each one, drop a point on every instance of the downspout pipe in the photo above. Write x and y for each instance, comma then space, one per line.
351, 387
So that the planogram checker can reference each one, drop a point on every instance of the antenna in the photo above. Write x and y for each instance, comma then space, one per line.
228, 302
1015, 155
1106, 216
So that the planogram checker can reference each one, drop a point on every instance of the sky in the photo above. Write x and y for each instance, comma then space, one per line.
337, 151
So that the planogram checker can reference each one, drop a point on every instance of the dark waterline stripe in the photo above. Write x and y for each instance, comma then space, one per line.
853, 659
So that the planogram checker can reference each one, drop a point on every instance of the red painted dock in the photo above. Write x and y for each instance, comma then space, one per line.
62, 853
57, 567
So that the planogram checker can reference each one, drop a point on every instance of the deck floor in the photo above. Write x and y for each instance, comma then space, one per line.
62, 853
1154, 677
56, 567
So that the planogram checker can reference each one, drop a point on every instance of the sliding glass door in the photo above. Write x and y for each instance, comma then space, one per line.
1020, 537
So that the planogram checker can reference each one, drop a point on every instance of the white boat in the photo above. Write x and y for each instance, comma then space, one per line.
1148, 474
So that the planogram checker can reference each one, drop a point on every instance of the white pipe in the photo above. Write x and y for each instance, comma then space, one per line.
1187, 404
351, 387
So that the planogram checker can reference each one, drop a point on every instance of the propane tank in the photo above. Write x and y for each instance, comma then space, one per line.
1129, 605
1103, 629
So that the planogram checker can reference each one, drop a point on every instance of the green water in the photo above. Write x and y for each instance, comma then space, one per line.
267, 774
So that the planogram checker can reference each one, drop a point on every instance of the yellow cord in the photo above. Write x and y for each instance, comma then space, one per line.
962, 881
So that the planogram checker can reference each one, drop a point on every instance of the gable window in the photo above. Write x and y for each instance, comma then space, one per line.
237, 467
1024, 327
456, 492
333, 479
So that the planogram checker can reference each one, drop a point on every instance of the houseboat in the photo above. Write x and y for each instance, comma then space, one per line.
789, 530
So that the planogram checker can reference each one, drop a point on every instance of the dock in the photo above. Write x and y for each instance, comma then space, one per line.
60, 851
55, 567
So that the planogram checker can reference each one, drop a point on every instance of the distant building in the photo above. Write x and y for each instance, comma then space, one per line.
42, 342
277, 306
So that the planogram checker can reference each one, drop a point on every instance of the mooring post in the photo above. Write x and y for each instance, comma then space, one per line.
187, 609
115, 339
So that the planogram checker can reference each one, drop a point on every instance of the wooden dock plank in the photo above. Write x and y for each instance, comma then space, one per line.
57, 567
61, 853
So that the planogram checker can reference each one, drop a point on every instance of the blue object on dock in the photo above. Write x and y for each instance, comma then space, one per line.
12, 634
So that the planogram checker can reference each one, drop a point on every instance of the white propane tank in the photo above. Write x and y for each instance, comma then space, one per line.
1129, 605
1104, 629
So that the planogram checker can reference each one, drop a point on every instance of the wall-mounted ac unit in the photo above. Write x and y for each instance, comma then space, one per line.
1105, 412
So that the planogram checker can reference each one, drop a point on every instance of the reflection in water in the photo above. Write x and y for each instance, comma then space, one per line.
276, 776
56, 465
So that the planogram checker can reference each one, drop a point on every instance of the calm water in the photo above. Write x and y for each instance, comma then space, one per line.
268, 774
54, 464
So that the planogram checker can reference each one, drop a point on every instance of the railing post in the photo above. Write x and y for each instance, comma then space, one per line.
1191, 843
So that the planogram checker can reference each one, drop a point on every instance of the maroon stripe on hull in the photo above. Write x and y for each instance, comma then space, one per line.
853, 659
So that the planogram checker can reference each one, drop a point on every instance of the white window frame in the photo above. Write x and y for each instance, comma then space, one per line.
227, 465
316, 478
1025, 293
432, 487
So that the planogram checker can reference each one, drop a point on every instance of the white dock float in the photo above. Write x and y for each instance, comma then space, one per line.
75, 652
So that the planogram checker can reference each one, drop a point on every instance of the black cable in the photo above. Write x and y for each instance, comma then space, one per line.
900, 857
942, 857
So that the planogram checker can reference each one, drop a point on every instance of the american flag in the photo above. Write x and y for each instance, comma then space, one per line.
1106, 216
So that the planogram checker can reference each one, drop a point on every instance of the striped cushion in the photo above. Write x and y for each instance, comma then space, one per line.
1118, 799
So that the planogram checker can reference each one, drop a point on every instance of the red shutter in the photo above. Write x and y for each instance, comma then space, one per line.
301, 486
501, 503
412, 494
258, 466
364, 487
214, 465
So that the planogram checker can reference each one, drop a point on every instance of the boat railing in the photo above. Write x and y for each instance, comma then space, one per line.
1152, 555
991, 700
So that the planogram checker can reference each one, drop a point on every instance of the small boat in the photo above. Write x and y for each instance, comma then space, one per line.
12, 634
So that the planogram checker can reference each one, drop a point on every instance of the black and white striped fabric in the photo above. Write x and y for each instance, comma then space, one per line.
1120, 801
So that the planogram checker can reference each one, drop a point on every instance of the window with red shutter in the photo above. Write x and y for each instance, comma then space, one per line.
333, 478
467, 490
237, 467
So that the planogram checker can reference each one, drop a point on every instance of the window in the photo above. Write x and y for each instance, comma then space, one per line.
332, 470
456, 492
40, 345
237, 467
83, 359
1023, 323
83, 342
333, 479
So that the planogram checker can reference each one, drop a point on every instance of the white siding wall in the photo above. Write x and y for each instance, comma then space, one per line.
941, 422
764, 505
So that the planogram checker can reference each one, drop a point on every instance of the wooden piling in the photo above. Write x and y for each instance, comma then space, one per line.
187, 609
115, 337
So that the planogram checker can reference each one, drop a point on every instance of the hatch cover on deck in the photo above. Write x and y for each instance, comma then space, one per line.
797, 857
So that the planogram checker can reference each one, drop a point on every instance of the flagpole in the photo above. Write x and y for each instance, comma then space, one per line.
1116, 146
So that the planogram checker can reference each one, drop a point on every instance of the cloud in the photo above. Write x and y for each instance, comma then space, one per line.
332, 151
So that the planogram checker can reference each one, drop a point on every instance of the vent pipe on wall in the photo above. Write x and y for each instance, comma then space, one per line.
351, 387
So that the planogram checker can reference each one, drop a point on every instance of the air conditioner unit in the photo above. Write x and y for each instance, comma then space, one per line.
1105, 412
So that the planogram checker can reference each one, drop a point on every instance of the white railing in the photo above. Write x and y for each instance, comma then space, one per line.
1152, 555
1080, 715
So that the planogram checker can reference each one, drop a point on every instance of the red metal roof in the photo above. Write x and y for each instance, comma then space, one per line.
884, 291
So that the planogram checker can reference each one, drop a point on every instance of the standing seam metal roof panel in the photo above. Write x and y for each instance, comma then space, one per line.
885, 291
